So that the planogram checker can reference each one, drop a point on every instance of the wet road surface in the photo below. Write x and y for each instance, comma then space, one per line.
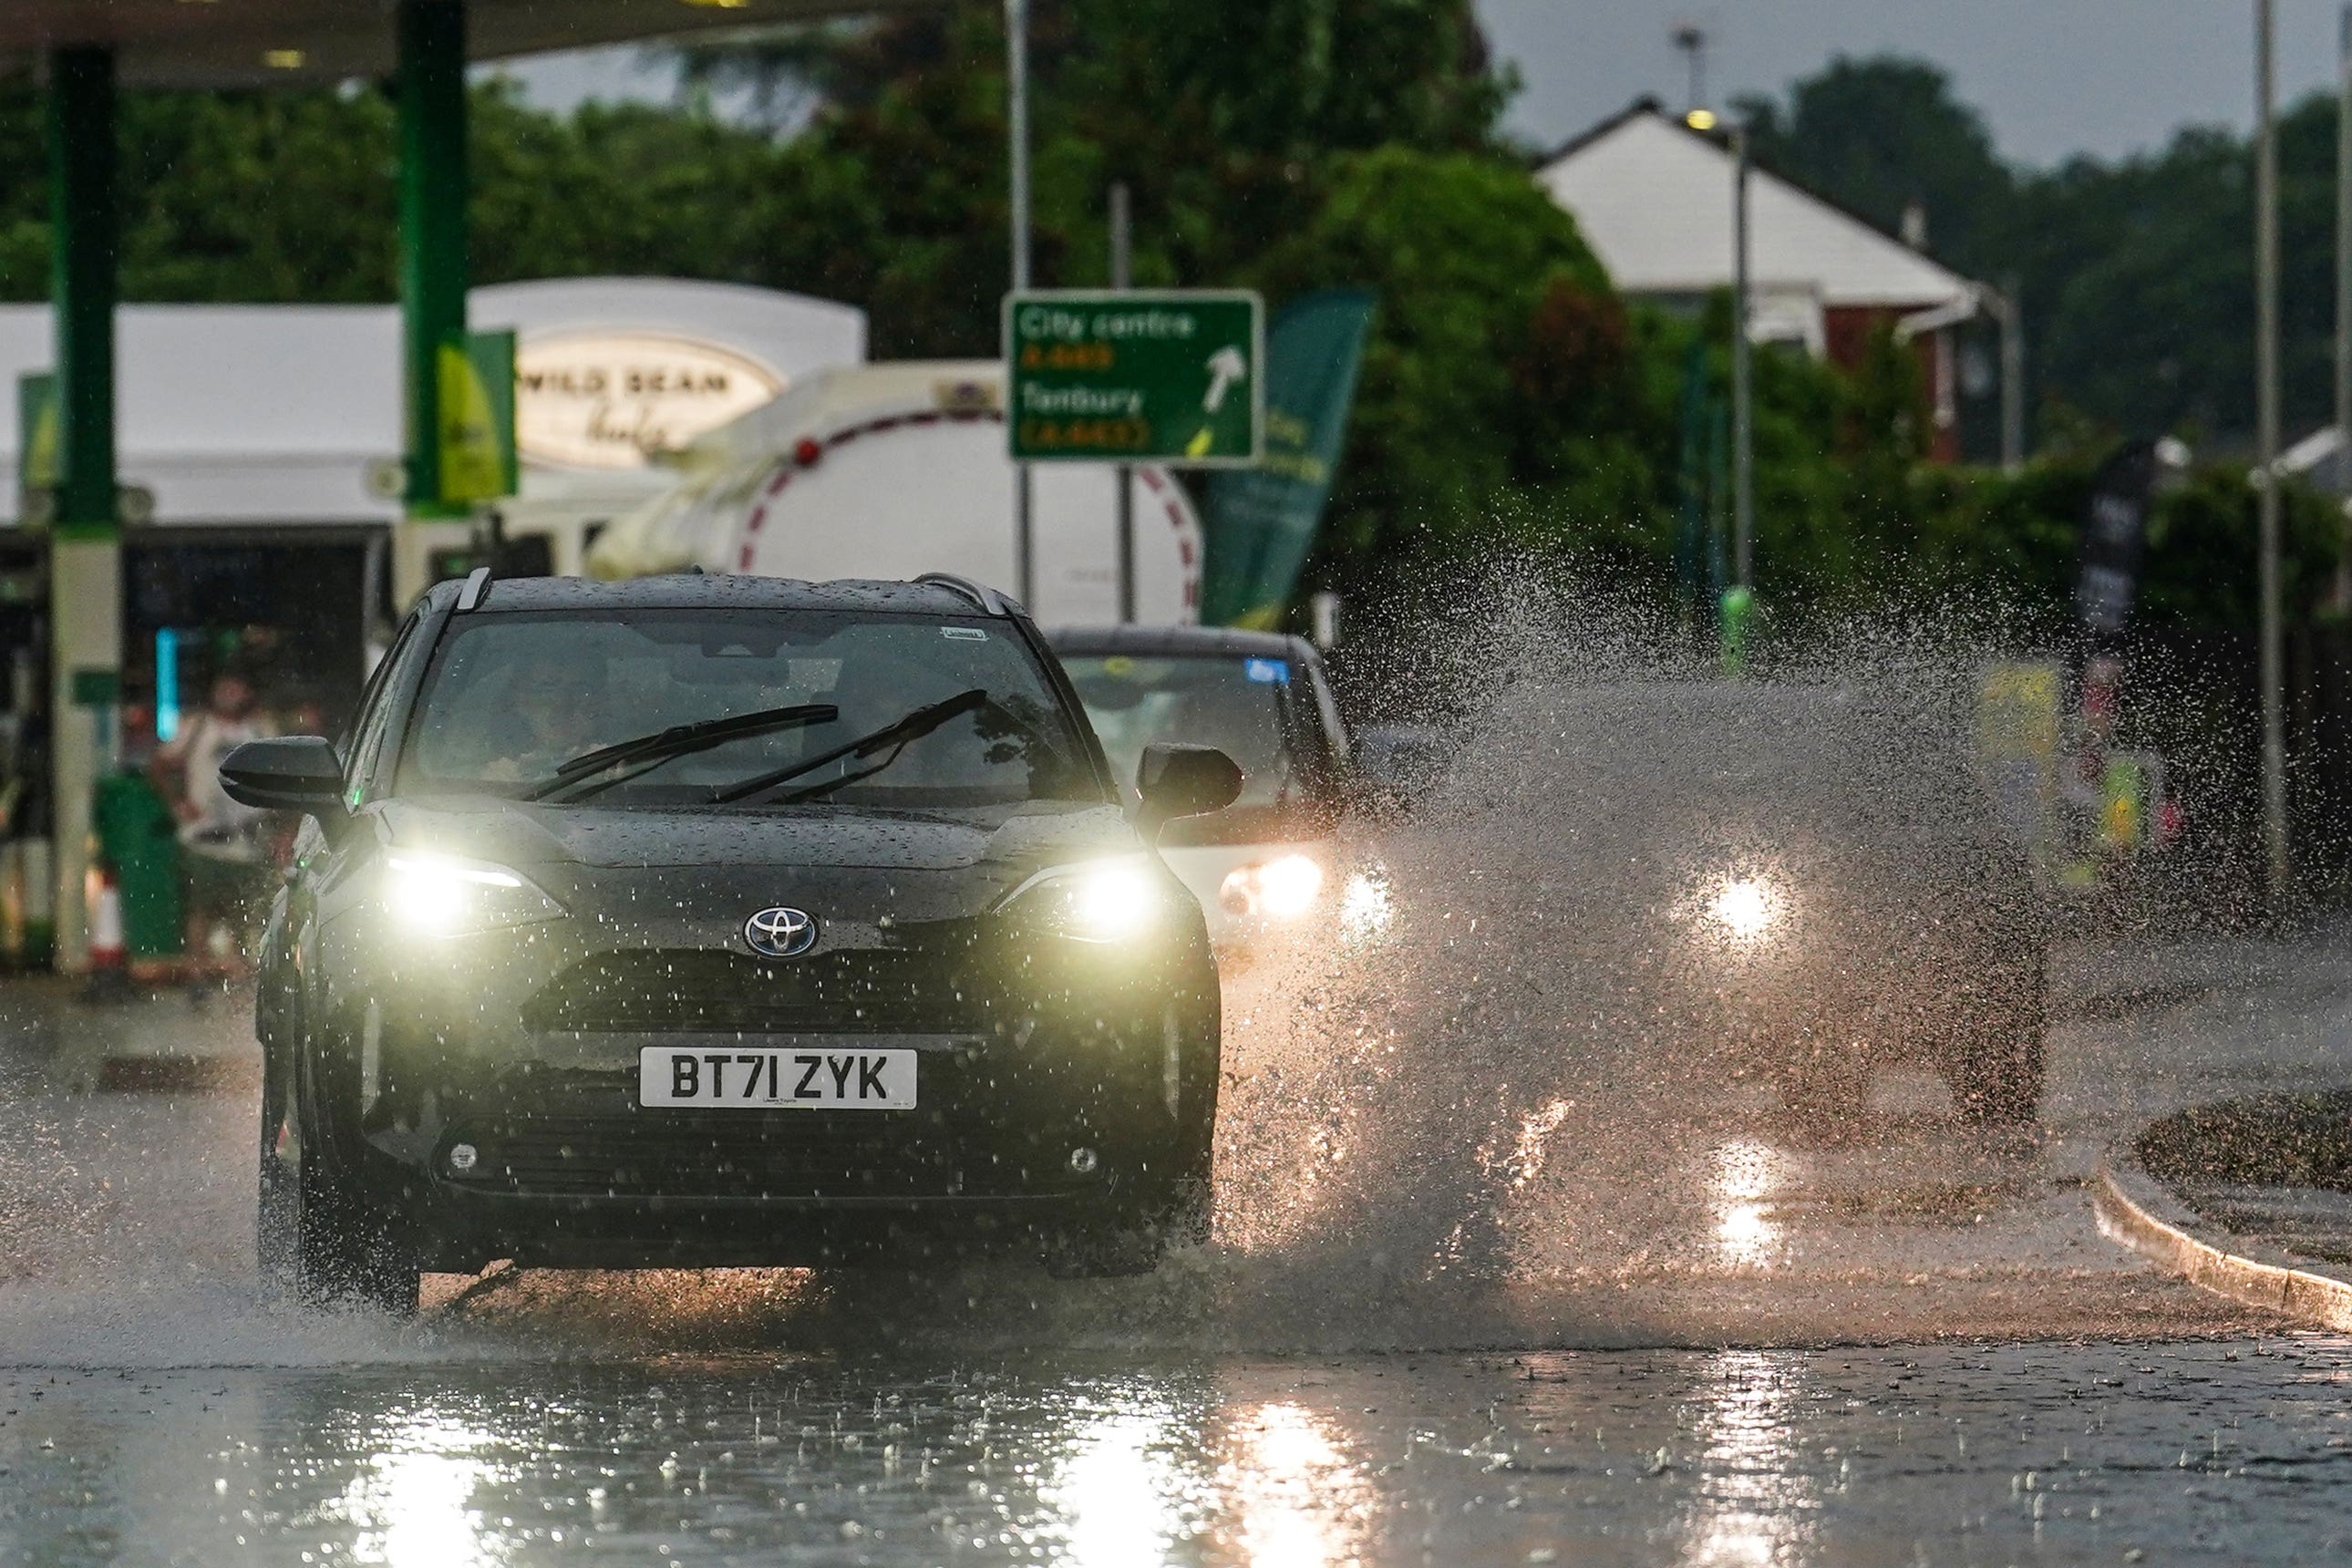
2173, 1453
1934, 1356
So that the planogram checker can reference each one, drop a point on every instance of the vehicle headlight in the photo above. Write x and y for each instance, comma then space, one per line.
440, 895
1114, 899
1284, 889
1748, 909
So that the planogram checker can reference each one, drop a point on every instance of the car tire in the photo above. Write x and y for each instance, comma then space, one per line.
317, 1236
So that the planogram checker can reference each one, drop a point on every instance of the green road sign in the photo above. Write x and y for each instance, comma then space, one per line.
1141, 375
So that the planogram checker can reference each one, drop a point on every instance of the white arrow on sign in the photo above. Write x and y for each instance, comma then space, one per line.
1226, 366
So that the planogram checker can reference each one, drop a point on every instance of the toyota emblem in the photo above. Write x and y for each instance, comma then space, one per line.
780, 932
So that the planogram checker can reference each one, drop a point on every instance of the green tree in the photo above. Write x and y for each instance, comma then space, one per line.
1486, 293
1880, 134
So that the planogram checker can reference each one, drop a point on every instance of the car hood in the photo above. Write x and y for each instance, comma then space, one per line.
527, 835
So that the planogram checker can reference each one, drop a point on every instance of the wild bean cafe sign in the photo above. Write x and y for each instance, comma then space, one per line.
609, 400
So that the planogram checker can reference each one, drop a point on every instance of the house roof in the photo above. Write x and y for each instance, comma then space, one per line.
1653, 199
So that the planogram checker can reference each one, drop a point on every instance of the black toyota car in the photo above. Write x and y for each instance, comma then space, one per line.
708, 922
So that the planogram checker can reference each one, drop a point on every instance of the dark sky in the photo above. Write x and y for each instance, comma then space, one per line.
2050, 77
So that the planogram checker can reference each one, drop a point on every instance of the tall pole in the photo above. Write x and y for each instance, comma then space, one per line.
1121, 278
85, 542
1692, 42
1743, 416
2344, 307
2266, 419
2013, 376
1016, 116
433, 268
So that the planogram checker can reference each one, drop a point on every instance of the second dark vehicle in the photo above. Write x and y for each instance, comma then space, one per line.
708, 922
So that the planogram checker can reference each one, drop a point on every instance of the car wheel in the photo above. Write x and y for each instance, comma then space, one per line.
274, 1199
320, 1234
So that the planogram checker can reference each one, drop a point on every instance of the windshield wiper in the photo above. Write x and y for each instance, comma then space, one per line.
678, 740
909, 727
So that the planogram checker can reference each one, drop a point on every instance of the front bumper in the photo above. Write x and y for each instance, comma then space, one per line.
1053, 1087
567, 1168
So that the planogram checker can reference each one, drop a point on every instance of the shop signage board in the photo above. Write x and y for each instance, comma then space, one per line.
1168, 376
613, 399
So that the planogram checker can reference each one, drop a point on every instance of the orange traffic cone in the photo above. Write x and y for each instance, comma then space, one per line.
110, 976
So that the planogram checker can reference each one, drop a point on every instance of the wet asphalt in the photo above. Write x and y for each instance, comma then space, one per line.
1906, 1344
2199, 1451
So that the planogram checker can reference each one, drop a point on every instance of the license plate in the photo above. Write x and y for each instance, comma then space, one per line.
752, 1078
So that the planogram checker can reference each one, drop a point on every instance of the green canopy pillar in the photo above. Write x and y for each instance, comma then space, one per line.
433, 268
86, 543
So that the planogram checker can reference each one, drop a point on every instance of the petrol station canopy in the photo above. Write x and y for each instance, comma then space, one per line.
248, 43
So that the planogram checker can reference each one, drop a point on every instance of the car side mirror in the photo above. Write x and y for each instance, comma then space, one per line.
1182, 781
287, 773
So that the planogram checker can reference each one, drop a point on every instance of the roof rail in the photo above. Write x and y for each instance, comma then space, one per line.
477, 588
987, 598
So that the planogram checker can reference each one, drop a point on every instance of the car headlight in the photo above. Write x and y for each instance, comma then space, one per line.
1748, 909
441, 895
1284, 887
1117, 898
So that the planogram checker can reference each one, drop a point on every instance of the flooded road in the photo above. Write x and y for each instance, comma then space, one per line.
1909, 1343
1513, 1261
2189, 1452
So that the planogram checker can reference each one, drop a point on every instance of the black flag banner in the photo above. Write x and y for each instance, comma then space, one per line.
2114, 536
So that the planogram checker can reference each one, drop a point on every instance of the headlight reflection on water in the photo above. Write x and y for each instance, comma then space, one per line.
1300, 1500
412, 1505
1758, 1503
1122, 1489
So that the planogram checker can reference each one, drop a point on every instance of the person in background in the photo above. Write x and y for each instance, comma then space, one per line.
225, 861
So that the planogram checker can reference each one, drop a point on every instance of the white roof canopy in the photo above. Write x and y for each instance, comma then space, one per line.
244, 415
1653, 199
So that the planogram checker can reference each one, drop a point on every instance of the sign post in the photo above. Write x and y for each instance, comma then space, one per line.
1170, 376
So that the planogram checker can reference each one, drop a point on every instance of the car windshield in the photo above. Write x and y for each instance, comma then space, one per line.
1239, 705
513, 697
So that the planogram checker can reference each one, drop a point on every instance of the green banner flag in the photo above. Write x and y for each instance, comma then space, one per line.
478, 419
38, 454
1261, 521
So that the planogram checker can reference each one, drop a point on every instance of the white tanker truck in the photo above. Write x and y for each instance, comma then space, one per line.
890, 470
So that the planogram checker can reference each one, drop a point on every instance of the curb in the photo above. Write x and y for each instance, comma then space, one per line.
2137, 1211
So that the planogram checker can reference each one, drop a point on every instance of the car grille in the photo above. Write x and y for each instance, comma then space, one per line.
781, 1154
852, 991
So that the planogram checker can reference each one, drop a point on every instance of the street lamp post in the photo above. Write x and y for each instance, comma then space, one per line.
2010, 316
2343, 308
1123, 477
1016, 116
1743, 392
2266, 419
